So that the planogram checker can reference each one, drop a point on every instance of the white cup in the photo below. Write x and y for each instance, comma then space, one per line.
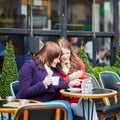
23, 101
10, 98
55, 80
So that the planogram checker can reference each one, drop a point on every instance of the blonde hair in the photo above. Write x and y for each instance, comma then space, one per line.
63, 43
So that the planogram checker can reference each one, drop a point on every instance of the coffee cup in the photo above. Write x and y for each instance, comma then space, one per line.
10, 98
23, 101
55, 80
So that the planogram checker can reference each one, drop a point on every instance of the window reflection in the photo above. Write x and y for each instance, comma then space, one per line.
39, 17
46, 14
103, 47
80, 15
103, 51
22, 46
16, 14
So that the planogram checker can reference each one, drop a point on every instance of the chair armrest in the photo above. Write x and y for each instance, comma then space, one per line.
109, 109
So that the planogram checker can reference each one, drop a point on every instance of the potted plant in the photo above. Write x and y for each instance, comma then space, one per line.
9, 71
84, 57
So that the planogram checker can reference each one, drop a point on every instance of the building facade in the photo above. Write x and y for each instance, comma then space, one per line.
30, 23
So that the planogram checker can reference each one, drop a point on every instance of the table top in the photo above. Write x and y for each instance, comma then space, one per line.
11, 107
96, 93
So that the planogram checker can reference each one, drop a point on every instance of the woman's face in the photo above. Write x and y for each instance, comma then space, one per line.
55, 62
65, 57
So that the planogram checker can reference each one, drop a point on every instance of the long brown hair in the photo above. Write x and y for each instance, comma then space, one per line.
47, 54
73, 57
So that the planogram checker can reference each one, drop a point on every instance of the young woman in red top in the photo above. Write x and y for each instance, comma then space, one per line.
70, 68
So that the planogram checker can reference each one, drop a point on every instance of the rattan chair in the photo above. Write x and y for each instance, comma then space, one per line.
45, 111
104, 110
109, 79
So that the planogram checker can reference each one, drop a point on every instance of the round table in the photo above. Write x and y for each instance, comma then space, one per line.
12, 107
96, 94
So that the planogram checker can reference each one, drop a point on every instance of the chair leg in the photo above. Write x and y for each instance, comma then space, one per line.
117, 116
102, 116
57, 114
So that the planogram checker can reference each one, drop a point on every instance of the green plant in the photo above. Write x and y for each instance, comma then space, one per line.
85, 59
9, 71
97, 70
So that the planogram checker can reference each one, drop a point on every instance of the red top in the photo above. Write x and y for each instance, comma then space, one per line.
66, 78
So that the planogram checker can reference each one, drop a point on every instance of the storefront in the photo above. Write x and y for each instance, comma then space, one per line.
52, 19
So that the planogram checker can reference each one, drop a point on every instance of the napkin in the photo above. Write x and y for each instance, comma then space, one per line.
12, 104
17, 104
49, 71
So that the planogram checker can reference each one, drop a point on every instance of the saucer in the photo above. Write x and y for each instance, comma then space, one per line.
75, 90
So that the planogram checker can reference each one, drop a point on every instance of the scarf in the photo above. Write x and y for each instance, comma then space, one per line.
65, 67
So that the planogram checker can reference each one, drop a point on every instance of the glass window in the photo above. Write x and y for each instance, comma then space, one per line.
106, 15
46, 14
17, 14
24, 46
18, 43
103, 51
103, 48
82, 16
79, 15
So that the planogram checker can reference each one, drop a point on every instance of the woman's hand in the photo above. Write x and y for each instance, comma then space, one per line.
48, 80
75, 82
76, 75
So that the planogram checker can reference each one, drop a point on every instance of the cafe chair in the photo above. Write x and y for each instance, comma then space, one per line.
109, 79
13, 90
104, 109
45, 111
14, 86
94, 80
108, 109
98, 102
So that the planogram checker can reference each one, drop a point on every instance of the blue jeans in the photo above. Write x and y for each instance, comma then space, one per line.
78, 109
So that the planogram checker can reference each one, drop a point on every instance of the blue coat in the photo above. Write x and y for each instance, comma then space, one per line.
31, 83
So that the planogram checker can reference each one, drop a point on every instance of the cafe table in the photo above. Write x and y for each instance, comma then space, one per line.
12, 107
96, 94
